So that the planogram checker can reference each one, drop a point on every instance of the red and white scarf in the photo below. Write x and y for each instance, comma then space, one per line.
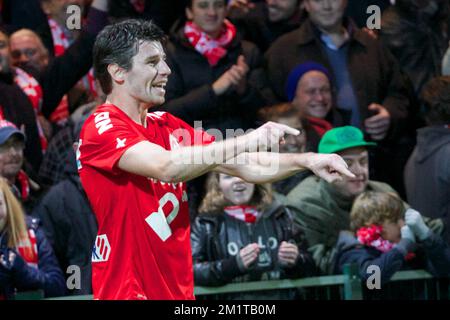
371, 236
60, 44
212, 49
33, 90
28, 249
244, 213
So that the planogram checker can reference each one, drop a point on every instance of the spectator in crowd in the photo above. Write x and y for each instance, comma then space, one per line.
367, 77
242, 235
263, 22
52, 169
211, 70
27, 261
42, 92
391, 239
416, 32
427, 173
306, 141
323, 209
310, 91
12, 144
69, 223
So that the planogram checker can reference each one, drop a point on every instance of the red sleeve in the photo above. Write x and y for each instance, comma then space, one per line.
186, 135
104, 139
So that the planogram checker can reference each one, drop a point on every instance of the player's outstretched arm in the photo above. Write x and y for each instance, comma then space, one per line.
266, 167
183, 164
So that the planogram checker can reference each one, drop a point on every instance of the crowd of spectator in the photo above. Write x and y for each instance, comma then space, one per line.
378, 98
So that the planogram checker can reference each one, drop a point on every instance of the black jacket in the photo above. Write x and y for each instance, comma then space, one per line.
70, 224
189, 93
217, 238
47, 277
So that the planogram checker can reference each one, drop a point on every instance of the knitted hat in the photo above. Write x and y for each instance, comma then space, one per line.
298, 72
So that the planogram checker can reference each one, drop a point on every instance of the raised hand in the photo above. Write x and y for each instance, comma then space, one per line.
377, 126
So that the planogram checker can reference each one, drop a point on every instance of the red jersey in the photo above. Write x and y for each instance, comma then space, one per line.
142, 250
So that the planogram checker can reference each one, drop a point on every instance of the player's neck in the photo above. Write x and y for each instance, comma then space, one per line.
135, 110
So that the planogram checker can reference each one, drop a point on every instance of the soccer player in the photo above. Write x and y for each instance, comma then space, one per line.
133, 166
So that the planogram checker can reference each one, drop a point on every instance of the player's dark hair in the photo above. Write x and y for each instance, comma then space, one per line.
118, 44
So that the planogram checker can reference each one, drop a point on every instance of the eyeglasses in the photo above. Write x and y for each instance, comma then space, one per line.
17, 145
30, 52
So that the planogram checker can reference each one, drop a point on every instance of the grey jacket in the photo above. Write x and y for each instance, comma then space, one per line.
427, 175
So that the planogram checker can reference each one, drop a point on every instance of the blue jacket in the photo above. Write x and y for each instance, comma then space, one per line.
21, 277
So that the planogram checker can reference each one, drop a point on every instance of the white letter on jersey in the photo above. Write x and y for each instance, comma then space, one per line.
158, 221
102, 122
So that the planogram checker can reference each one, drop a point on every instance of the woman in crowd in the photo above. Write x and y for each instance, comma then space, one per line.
27, 262
242, 234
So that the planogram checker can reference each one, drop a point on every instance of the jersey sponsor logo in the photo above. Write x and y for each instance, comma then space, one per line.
102, 122
156, 114
120, 143
158, 221
101, 249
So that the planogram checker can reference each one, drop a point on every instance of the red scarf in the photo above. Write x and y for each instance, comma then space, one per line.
212, 49
371, 236
33, 90
24, 183
28, 250
60, 44
244, 213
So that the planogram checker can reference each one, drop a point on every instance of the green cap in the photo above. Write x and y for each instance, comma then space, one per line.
342, 138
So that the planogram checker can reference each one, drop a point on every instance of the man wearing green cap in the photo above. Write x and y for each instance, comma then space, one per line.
322, 209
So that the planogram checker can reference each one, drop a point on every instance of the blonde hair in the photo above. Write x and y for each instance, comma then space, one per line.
214, 200
375, 208
15, 227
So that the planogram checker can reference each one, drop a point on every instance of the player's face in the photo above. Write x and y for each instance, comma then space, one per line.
281, 9
357, 160
148, 76
208, 15
326, 14
313, 95
236, 190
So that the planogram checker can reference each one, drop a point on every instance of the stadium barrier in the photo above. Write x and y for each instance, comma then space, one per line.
347, 286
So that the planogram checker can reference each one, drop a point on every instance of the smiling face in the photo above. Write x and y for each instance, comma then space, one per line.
236, 190
147, 78
326, 14
357, 160
208, 15
281, 9
313, 95
293, 144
